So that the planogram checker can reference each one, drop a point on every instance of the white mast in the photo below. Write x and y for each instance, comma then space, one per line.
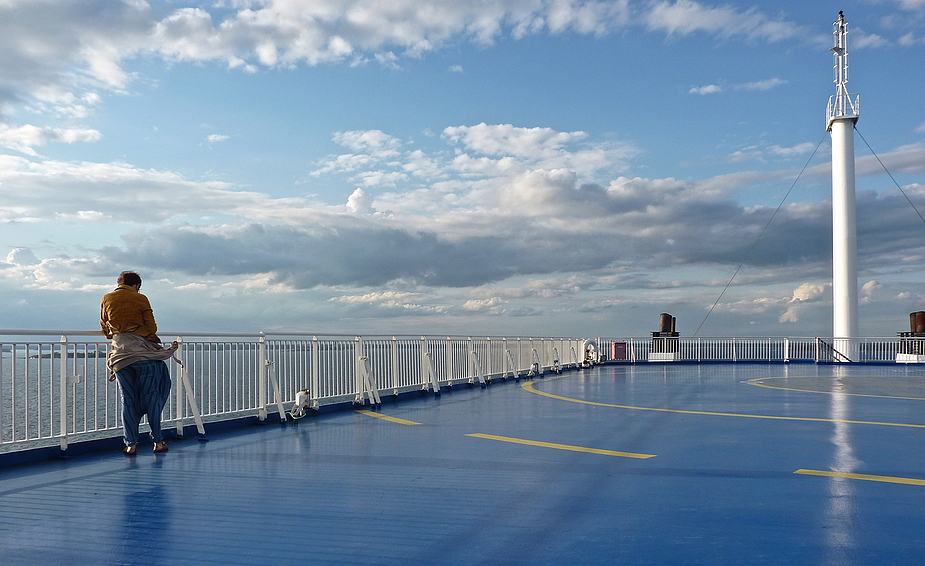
841, 115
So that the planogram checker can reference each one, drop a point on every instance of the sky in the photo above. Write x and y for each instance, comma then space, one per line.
494, 167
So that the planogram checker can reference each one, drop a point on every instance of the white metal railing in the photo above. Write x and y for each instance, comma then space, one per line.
774, 350
54, 386
842, 106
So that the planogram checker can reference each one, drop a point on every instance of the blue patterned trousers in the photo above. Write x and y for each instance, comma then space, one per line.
145, 389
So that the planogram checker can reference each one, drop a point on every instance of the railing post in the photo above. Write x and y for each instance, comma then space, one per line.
520, 364
263, 364
450, 374
424, 361
316, 372
178, 391
470, 373
62, 387
358, 359
394, 364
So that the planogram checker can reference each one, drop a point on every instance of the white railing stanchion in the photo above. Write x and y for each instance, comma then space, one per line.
316, 372
178, 392
393, 359
62, 391
367, 384
191, 399
428, 370
262, 379
274, 380
476, 367
512, 367
536, 368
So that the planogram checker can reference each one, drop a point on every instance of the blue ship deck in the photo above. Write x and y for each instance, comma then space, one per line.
617, 464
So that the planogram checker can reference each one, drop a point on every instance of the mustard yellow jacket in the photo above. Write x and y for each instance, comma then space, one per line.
127, 310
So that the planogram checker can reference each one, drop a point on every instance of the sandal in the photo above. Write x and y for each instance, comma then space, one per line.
160, 447
130, 450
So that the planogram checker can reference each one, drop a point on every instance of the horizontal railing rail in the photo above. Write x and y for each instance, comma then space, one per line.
54, 387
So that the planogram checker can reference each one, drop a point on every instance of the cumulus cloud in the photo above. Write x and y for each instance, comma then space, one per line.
803, 298
359, 202
22, 256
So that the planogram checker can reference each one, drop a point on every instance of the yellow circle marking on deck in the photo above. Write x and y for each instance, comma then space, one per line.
386, 417
868, 477
756, 382
529, 386
563, 446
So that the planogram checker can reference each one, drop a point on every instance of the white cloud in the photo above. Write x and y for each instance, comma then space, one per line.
708, 89
868, 290
762, 85
809, 292
22, 256
492, 305
862, 40
683, 17
60, 54
767, 84
911, 4
911, 40
216, 138
506, 139
25, 138
393, 301
360, 202
799, 149
515, 149
374, 142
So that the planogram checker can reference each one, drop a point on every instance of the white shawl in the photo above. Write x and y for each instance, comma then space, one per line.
128, 348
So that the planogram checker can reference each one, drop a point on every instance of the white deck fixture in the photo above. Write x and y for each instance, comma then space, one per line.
841, 115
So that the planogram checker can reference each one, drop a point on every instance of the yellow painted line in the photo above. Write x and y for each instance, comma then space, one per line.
529, 386
563, 446
887, 479
757, 382
386, 417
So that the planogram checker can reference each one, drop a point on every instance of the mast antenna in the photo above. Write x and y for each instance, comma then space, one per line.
841, 104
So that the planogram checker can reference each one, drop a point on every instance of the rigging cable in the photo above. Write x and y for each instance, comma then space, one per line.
763, 230
890, 175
